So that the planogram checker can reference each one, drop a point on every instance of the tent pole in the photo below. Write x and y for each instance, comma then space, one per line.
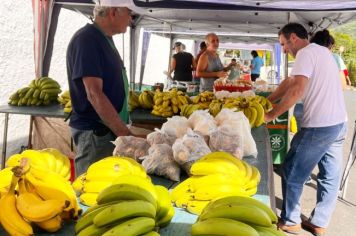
286, 54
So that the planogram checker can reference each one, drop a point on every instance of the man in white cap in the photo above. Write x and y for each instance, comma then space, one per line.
98, 84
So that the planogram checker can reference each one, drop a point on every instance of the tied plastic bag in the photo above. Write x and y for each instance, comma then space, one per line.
176, 126
159, 137
160, 161
188, 149
228, 140
201, 121
231, 120
131, 146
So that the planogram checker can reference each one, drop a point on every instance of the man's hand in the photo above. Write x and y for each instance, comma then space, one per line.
269, 117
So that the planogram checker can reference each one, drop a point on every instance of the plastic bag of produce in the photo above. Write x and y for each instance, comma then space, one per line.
228, 140
238, 122
130, 146
159, 137
202, 122
188, 149
160, 161
176, 126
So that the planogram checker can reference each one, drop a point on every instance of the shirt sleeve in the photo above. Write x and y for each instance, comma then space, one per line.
86, 59
303, 64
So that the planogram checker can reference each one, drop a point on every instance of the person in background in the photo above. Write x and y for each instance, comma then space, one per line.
256, 65
182, 64
98, 84
324, 38
209, 66
202, 47
346, 73
234, 70
320, 141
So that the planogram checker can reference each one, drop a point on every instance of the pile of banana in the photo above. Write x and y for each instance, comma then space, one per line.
101, 175
64, 99
43, 198
146, 99
39, 92
169, 103
133, 100
236, 215
204, 99
49, 159
132, 205
188, 109
216, 175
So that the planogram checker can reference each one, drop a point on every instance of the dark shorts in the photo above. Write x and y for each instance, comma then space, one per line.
254, 77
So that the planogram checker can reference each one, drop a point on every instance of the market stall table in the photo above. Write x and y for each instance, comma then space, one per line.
182, 220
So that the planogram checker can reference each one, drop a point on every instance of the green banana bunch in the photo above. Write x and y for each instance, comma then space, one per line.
132, 227
65, 100
215, 107
42, 91
222, 226
188, 109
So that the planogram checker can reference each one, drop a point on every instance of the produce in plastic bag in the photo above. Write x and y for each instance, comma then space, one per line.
228, 140
160, 161
130, 146
159, 137
202, 122
190, 148
176, 126
229, 118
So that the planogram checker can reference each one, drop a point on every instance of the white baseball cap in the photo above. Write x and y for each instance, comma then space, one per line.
120, 3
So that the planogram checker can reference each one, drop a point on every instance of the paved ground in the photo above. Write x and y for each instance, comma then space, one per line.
344, 217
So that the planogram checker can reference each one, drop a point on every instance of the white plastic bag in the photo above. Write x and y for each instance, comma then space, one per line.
130, 146
228, 140
188, 149
175, 127
160, 161
201, 121
159, 137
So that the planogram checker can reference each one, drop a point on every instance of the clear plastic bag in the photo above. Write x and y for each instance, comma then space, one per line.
176, 126
190, 148
227, 140
159, 137
160, 161
202, 122
131, 146
238, 122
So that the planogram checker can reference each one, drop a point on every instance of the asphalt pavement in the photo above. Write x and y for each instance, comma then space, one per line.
343, 222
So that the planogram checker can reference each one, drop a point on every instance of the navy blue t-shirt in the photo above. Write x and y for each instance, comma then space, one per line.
89, 54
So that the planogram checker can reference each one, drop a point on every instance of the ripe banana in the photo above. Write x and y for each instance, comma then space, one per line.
10, 218
95, 186
124, 210
132, 227
196, 207
242, 200
51, 225
214, 179
88, 199
126, 192
207, 167
228, 157
260, 114
254, 180
181, 189
222, 226
218, 191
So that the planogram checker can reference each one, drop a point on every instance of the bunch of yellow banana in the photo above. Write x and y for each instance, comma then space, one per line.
49, 159
64, 99
146, 99
215, 107
188, 109
44, 198
204, 99
42, 91
102, 174
215, 175
169, 103
236, 215
132, 205
133, 100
